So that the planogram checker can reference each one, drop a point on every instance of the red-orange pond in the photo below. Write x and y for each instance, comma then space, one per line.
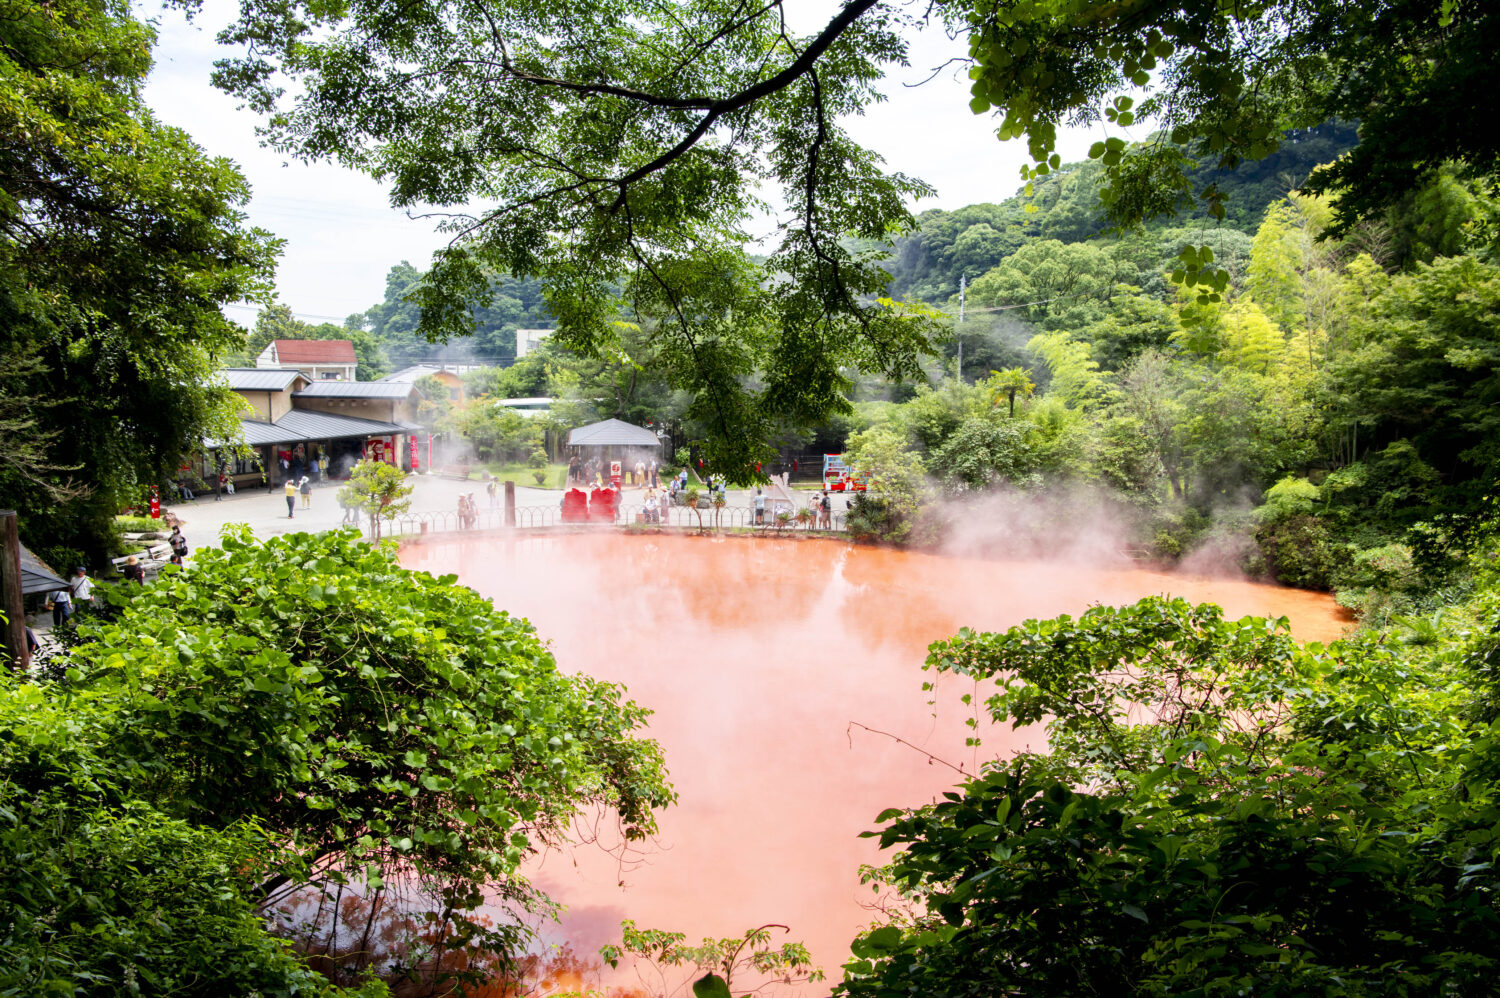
765, 662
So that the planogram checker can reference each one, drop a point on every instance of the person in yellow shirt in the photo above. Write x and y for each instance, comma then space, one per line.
291, 496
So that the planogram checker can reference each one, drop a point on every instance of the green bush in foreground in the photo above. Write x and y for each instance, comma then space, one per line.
1219, 812
292, 716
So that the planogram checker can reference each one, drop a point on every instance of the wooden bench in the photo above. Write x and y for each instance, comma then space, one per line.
151, 559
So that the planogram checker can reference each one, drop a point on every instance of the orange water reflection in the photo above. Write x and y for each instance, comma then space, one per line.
756, 656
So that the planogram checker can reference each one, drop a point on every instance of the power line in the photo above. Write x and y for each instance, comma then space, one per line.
296, 315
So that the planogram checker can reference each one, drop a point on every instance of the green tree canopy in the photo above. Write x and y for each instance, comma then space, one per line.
119, 242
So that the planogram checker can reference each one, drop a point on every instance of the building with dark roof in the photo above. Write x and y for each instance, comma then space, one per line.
390, 401
292, 424
268, 393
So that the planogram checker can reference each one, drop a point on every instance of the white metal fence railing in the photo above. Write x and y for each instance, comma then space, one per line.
723, 518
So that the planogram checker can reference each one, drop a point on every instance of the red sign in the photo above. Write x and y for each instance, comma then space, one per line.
155, 504
377, 450
415, 462
614, 473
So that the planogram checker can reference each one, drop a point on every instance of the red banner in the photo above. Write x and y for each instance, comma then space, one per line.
155, 503
415, 461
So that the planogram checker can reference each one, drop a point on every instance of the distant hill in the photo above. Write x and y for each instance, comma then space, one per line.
927, 264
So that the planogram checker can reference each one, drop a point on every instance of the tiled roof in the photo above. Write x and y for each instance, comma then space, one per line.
259, 379
612, 433
36, 577
314, 351
302, 425
411, 374
356, 390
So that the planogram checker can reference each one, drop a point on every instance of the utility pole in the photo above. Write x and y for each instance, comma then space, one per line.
963, 286
17, 655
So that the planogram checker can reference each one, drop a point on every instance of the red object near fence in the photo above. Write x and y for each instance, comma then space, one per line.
602, 505
575, 506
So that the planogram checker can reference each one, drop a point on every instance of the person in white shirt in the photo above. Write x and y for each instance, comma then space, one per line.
81, 587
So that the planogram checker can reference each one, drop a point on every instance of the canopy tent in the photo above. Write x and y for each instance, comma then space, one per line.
613, 440
613, 433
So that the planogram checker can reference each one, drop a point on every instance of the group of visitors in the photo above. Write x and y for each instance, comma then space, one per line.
468, 511
647, 476
295, 487
644, 474
297, 462
78, 594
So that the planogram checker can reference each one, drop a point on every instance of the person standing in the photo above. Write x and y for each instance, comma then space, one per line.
81, 589
291, 497
305, 487
760, 508
178, 544
492, 489
61, 605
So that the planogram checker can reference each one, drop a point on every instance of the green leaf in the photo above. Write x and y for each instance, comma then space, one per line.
710, 986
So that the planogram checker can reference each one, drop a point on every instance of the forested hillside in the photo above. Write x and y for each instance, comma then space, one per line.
1064, 206
514, 304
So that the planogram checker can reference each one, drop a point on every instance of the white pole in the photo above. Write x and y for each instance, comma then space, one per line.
963, 286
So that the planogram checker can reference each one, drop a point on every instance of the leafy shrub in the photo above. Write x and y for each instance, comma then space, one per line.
137, 525
1290, 497
302, 692
538, 459
1299, 551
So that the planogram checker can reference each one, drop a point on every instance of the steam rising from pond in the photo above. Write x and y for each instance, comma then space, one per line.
756, 656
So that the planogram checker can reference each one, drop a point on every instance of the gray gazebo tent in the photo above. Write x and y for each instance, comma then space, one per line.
613, 440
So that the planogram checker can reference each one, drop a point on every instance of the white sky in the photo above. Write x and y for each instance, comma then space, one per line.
342, 236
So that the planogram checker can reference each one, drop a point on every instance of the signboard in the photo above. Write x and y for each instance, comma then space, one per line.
155, 503
614, 474
415, 462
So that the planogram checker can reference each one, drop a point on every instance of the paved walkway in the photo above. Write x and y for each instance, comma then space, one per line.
266, 512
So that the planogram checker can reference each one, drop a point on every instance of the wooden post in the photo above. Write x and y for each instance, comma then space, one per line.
510, 504
17, 655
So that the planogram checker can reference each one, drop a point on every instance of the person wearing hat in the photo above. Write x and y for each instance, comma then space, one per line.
305, 487
133, 572
291, 497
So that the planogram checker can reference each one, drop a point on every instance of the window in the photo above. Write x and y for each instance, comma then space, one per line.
455, 394
330, 375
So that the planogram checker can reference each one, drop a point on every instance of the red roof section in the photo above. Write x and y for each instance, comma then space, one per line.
314, 351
